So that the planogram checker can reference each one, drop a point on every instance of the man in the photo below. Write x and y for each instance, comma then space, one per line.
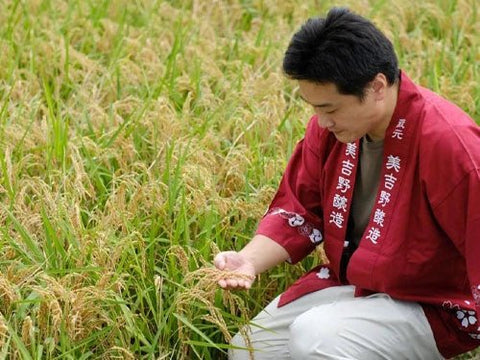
388, 176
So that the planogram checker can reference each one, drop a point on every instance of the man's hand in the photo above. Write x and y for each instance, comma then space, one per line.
242, 270
259, 255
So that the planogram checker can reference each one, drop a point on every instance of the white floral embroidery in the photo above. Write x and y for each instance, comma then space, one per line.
324, 273
296, 220
316, 236
447, 305
475, 336
466, 317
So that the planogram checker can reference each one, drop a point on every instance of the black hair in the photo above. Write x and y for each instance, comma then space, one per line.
343, 48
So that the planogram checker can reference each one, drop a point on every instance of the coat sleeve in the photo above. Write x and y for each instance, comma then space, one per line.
294, 218
459, 216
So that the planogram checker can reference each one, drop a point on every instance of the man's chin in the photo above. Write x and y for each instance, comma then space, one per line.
345, 138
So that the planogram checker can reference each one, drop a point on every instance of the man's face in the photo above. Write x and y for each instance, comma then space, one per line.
345, 116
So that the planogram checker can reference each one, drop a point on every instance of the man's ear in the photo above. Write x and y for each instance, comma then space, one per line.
379, 86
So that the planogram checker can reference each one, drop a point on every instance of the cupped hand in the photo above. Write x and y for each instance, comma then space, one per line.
241, 271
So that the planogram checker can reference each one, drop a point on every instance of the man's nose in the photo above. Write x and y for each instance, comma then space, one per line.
324, 121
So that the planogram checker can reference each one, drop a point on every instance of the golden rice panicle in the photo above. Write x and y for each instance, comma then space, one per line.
117, 352
75, 326
3, 330
27, 330
181, 255
57, 317
200, 287
8, 295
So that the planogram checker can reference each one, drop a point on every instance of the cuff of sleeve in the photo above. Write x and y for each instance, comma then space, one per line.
290, 231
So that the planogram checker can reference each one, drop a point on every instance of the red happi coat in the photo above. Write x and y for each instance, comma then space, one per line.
422, 243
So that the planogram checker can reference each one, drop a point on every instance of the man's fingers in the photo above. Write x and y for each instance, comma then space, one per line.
232, 283
246, 283
243, 283
228, 283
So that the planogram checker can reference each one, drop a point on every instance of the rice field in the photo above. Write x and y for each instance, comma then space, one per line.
140, 137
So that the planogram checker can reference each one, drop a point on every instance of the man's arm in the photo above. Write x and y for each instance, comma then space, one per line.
259, 255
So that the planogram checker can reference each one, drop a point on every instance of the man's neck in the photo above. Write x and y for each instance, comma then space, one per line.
392, 97
390, 105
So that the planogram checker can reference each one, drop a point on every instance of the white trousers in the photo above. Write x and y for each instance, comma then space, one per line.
333, 324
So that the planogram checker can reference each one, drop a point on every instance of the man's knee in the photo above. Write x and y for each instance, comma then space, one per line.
309, 339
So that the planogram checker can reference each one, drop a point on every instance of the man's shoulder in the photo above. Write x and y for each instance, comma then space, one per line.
438, 109
432, 108
448, 135
442, 120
